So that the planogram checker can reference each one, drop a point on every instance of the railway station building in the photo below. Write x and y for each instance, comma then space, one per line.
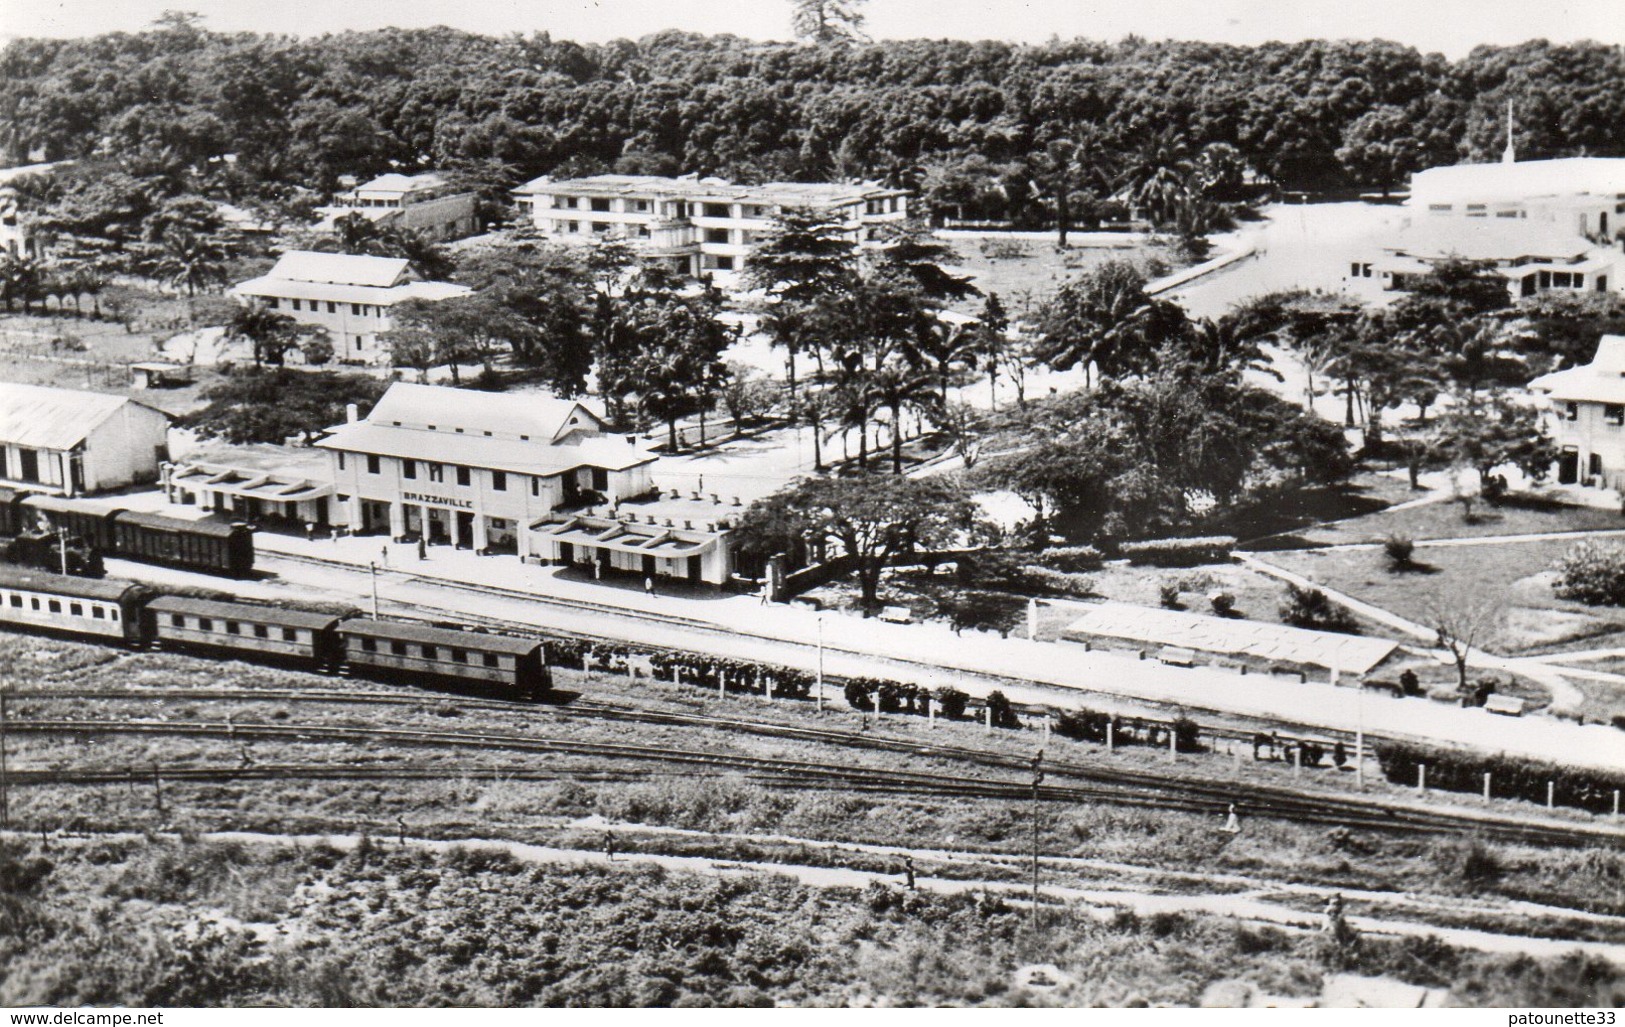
66, 442
540, 478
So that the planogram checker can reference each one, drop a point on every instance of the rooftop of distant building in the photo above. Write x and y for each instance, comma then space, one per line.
1517, 180
715, 189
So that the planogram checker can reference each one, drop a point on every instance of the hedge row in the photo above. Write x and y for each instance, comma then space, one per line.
1510, 778
692, 668
1090, 726
1179, 552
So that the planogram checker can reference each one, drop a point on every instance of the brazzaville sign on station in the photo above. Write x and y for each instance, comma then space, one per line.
418, 497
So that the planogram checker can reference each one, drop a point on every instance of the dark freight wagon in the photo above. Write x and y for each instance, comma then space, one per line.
195, 545
86, 519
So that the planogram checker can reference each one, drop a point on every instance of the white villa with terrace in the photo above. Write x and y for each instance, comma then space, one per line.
1587, 417
425, 203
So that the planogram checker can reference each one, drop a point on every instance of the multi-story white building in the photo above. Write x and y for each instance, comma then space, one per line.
350, 296
539, 477
1587, 417
1544, 224
17, 236
72, 443
698, 226
424, 203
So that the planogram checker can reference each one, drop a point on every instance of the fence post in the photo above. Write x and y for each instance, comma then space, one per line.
1422, 777
722, 684
931, 716
1486, 786
1616, 802
1297, 760
1110, 737
987, 719
1173, 743
1551, 793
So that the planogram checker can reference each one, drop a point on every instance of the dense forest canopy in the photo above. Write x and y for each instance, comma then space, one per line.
968, 122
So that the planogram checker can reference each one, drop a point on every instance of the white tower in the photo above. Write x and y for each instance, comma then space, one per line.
1509, 155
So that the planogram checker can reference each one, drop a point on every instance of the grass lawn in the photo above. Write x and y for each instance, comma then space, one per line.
1524, 515
1535, 619
1027, 270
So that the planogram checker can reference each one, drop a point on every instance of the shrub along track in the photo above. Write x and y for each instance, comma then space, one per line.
1108, 785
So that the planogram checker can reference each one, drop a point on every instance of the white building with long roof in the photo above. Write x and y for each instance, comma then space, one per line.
350, 296
426, 203
501, 472
1587, 417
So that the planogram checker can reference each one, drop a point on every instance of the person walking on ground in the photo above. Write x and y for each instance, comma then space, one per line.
1232, 823
423, 549
649, 586
310, 531
908, 869
609, 846
384, 552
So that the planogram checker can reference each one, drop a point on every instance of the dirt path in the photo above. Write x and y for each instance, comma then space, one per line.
1103, 903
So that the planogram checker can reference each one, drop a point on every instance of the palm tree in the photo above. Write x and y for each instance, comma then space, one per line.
1158, 175
191, 261
896, 384
271, 334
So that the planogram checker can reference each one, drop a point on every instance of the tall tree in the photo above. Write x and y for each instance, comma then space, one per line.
827, 21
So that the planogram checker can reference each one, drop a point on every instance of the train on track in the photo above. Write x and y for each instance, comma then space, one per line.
105, 528
138, 615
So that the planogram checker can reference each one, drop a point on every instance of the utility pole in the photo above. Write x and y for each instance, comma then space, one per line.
5, 778
1038, 779
820, 663
62, 543
373, 566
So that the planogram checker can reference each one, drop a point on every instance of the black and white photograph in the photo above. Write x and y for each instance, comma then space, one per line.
811, 504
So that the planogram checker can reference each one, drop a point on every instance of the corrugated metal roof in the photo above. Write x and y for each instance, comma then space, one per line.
30, 579
251, 613
287, 288
1526, 179
1488, 239
159, 521
398, 183
46, 418
512, 414
541, 458
340, 269
1350, 654
473, 640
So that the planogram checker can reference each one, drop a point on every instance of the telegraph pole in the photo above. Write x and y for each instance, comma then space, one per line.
5, 779
62, 542
1038, 779
374, 568
820, 663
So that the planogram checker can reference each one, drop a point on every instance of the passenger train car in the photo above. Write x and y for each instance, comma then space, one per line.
131, 613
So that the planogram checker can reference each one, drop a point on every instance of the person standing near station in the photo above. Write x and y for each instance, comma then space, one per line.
383, 553
609, 846
649, 586
908, 870
423, 549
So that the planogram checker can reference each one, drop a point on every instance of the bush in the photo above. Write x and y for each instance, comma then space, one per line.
1593, 573
1409, 683
1224, 603
1310, 608
1004, 714
1399, 550
1179, 552
951, 702
1168, 594
1510, 777
1072, 558
1058, 582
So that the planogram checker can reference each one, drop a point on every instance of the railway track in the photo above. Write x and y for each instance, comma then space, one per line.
1108, 786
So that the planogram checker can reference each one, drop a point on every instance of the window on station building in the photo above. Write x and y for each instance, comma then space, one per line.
409, 468
1614, 414
372, 463
600, 479
463, 476
1571, 411
297, 306
499, 481
437, 472
355, 310
332, 308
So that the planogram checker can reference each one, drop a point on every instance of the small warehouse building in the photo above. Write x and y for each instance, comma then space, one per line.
72, 443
